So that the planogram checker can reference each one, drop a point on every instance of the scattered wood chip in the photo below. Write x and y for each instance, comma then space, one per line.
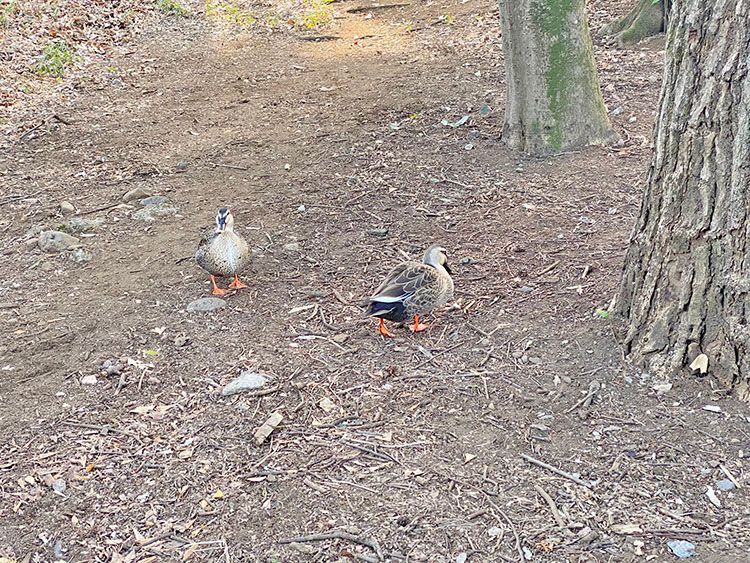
713, 499
265, 430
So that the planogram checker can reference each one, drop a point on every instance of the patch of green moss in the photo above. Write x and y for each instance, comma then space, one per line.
172, 7
551, 17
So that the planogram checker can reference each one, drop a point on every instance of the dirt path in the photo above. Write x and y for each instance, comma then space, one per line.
413, 443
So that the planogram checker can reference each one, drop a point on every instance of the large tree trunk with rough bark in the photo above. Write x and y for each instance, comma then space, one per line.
686, 284
554, 102
647, 18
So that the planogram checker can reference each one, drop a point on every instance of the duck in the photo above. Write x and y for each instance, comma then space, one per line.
223, 252
413, 289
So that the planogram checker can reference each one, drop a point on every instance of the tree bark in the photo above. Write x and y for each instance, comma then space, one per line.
647, 18
686, 283
554, 102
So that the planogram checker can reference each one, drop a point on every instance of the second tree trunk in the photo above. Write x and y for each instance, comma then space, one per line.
554, 102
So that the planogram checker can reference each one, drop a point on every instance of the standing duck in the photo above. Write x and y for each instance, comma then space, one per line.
413, 289
223, 252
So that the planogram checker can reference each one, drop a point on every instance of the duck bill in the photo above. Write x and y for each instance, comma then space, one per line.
447, 268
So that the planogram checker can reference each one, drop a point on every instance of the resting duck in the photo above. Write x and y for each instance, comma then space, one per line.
413, 289
223, 252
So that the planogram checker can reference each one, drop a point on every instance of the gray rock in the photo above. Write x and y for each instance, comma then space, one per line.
149, 213
182, 166
681, 548
248, 381
292, 247
154, 200
206, 305
67, 209
618, 110
725, 485
181, 341
82, 225
112, 367
378, 232
526, 289
58, 549
80, 256
57, 241
134, 194
59, 485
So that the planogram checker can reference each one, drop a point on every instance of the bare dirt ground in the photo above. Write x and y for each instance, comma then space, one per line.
407, 449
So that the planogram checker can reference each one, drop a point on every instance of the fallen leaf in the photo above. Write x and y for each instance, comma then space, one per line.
192, 548
219, 494
143, 409
700, 363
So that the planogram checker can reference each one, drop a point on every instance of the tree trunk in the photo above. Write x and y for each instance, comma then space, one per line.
647, 18
553, 98
686, 283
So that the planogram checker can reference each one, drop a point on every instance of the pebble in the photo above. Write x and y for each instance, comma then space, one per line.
154, 200
112, 367
632, 119
181, 341
206, 305
58, 549
88, 380
59, 485
137, 193
182, 166
526, 289
81, 224
248, 381
378, 232
725, 485
150, 212
67, 209
57, 241
80, 256
618, 110
292, 247
681, 548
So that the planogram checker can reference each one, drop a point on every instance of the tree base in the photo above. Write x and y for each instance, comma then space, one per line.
646, 19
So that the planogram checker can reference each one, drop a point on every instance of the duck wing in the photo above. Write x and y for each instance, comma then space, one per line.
403, 282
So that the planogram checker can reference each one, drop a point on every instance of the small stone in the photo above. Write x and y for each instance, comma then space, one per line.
292, 247
182, 166
287, 166
88, 380
681, 548
134, 194
58, 550
725, 485
80, 256
57, 241
632, 119
151, 211
301, 209
206, 305
82, 225
67, 209
247, 381
526, 289
378, 232
340, 338
47, 266
59, 485
618, 110
181, 341
154, 200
